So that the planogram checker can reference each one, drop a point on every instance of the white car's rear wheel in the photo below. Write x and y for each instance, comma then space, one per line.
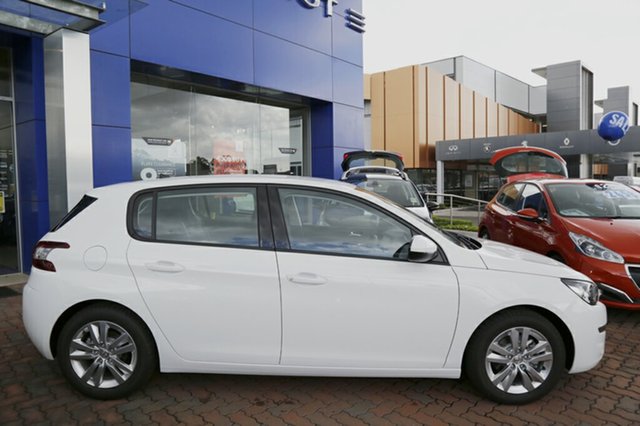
106, 352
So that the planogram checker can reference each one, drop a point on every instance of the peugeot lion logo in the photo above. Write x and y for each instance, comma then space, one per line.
486, 148
453, 148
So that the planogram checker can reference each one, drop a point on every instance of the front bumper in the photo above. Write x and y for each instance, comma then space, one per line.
589, 335
618, 289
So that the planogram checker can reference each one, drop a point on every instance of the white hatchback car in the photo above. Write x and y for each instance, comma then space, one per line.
297, 276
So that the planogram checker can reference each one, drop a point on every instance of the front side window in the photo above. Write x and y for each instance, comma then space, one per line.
224, 216
509, 196
328, 223
530, 198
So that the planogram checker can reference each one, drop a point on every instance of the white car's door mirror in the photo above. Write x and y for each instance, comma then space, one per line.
422, 249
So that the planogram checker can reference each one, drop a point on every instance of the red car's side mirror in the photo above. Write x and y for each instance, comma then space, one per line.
528, 214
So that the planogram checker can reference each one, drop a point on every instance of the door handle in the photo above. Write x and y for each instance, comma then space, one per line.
164, 266
307, 278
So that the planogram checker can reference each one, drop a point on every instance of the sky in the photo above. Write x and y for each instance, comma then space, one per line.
512, 36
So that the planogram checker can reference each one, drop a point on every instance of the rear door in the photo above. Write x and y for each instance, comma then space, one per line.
204, 262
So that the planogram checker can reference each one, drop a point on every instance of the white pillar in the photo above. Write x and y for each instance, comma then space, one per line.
440, 180
585, 166
68, 118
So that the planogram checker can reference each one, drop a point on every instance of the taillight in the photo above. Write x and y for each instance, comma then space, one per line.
42, 250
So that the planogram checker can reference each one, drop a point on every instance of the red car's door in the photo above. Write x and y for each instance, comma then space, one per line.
533, 234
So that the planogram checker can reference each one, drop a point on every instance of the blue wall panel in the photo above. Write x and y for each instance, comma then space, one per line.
347, 43
346, 90
36, 213
177, 36
240, 11
291, 20
348, 130
110, 90
111, 155
282, 65
32, 158
113, 36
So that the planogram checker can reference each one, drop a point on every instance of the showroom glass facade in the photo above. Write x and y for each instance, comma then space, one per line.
181, 129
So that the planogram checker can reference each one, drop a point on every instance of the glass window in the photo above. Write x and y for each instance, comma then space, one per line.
397, 190
329, 223
181, 131
225, 216
509, 196
606, 199
5, 72
530, 198
143, 216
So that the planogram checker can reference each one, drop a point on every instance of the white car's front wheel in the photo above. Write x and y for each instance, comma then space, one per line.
515, 357
106, 352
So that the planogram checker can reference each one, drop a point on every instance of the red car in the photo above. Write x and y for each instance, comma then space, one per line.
591, 225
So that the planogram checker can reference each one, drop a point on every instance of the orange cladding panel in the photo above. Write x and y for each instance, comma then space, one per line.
479, 115
435, 107
399, 109
503, 120
420, 152
451, 109
466, 113
377, 111
492, 118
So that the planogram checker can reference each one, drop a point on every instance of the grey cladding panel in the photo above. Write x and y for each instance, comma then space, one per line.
478, 77
563, 70
511, 92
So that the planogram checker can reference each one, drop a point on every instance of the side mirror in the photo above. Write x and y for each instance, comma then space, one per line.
528, 214
432, 205
422, 249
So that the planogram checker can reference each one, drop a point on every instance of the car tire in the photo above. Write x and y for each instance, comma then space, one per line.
484, 234
108, 367
508, 372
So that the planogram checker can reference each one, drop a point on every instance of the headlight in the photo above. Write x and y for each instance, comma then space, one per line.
587, 290
594, 249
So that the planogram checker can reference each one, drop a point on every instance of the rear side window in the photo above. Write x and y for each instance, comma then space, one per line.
224, 216
85, 202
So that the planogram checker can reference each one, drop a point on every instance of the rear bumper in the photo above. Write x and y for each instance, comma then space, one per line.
38, 318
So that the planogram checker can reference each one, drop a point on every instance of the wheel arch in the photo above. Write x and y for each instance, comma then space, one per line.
71, 311
550, 316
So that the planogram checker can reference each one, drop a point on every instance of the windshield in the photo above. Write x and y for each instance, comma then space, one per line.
601, 200
399, 191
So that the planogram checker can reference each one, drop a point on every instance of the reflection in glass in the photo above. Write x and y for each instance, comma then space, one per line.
8, 235
177, 132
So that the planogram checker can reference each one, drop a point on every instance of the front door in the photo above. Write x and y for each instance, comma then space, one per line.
349, 296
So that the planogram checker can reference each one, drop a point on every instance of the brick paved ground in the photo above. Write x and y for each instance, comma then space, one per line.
32, 391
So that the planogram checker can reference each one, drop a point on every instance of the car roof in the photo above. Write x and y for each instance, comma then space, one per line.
544, 181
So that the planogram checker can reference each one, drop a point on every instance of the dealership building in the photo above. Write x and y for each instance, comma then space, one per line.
99, 92
447, 117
